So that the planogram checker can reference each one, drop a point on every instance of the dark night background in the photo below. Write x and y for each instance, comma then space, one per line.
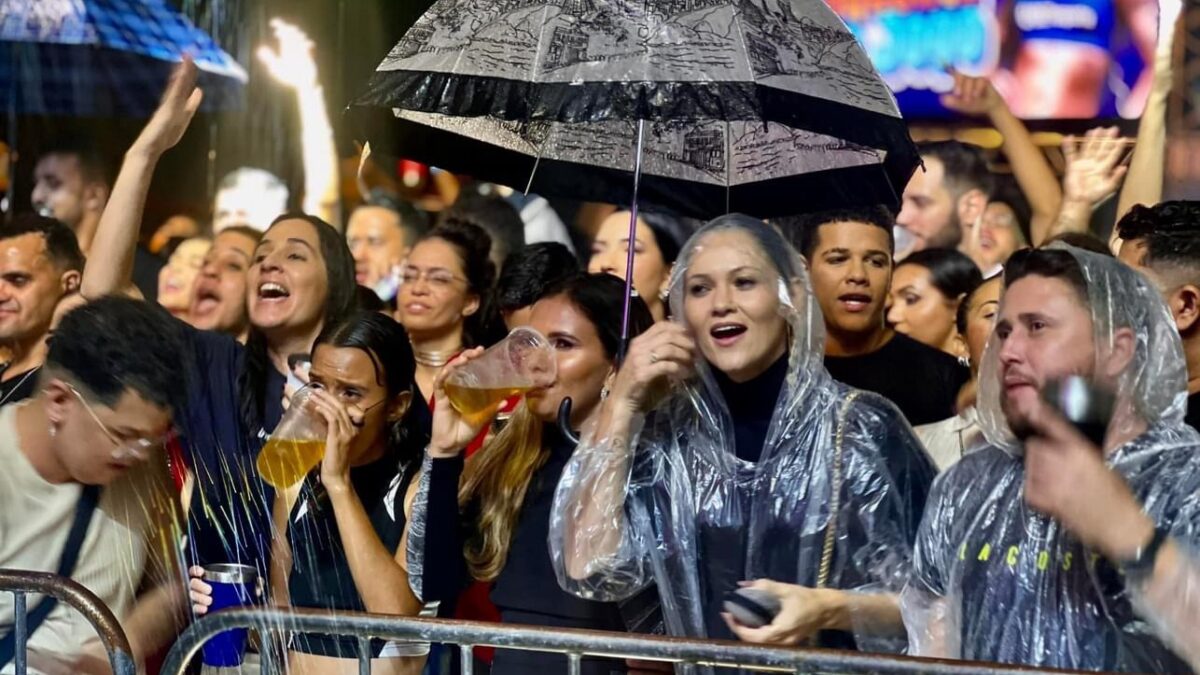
351, 36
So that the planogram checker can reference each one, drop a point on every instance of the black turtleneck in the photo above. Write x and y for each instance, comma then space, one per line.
752, 405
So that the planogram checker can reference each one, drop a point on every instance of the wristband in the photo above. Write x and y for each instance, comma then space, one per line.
1142, 562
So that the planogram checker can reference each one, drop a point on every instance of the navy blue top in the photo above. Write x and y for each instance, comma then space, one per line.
230, 516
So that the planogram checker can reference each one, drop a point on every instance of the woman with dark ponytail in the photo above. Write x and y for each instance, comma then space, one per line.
340, 530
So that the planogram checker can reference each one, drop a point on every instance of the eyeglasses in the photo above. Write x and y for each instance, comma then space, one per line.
138, 449
437, 279
358, 414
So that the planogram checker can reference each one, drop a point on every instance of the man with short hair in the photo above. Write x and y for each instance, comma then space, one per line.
71, 184
1042, 548
849, 254
528, 275
85, 480
380, 235
40, 264
948, 195
1163, 241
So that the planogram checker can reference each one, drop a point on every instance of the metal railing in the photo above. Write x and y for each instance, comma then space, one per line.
20, 583
575, 644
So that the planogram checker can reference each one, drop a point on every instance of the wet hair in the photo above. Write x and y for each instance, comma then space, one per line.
386, 343
114, 344
670, 232
769, 239
473, 246
94, 164
340, 300
1164, 217
1178, 249
805, 228
61, 245
532, 271
601, 298
952, 273
1081, 240
493, 215
1052, 263
964, 166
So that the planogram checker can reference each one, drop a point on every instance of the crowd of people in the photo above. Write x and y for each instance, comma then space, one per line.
845, 410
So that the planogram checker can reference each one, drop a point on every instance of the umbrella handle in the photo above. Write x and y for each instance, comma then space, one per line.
564, 421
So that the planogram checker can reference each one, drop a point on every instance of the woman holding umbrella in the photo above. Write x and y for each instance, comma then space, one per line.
750, 462
486, 518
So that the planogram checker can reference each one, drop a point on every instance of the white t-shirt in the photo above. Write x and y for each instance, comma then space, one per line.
35, 518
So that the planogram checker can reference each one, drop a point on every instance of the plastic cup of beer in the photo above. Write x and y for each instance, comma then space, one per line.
296, 446
232, 586
520, 362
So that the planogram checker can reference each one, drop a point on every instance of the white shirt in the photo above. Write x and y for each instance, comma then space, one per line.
35, 519
947, 441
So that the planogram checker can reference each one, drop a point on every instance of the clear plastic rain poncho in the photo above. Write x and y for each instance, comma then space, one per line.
679, 508
996, 581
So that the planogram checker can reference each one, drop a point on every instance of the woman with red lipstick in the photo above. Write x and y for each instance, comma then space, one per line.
751, 463
486, 518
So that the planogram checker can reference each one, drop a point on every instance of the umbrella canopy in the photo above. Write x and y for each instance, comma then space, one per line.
701, 168
795, 92
93, 58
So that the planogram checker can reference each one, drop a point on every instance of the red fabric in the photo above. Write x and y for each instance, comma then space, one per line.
176, 463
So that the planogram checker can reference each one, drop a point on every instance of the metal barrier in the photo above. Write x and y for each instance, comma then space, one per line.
20, 583
575, 644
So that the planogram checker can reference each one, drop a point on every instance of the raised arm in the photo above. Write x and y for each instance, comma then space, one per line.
977, 96
110, 260
1094, 171
1145, 182
293, 65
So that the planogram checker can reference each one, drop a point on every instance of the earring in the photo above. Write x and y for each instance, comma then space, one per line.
604, 393
964, 361
53, 430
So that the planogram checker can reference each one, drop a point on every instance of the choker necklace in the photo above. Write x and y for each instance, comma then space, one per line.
433, 359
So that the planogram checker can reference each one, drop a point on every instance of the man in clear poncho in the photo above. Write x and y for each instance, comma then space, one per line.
1041, 548
734, 473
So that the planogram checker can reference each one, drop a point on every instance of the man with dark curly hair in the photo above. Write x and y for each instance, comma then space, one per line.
1163, 241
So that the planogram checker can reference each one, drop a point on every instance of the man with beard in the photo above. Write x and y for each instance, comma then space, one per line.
40, 264
849, 255
949, 194
1042, 548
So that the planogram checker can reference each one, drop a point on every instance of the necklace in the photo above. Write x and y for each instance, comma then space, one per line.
433, 359
17, 386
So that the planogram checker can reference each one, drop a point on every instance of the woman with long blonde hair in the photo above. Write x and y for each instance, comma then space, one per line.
487, 518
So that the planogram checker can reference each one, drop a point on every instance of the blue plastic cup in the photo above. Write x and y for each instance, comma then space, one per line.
232, 586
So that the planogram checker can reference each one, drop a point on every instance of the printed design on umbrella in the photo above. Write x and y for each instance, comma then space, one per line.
716, 153
795, 45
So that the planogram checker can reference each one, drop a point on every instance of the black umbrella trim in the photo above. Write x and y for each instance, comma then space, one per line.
815, 191
509, 100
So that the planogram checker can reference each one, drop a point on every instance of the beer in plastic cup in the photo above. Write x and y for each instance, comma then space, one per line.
522, 361
296, 446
